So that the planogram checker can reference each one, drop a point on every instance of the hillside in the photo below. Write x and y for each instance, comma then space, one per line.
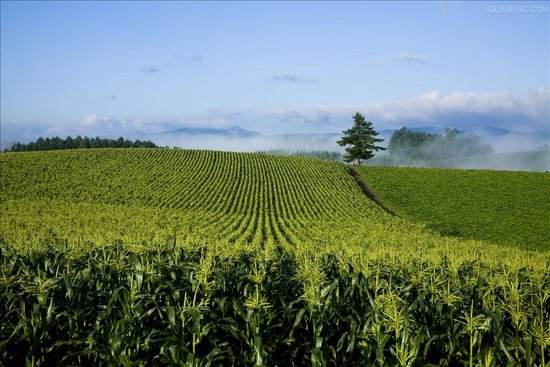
536, 160
499, 206
241, 198
171, 257
236, 197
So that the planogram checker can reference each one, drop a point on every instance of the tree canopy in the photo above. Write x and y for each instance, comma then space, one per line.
360, 141
78, 142
451, 144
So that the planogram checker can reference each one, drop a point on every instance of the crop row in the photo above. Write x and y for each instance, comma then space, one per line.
211, 305
164, 257
239, 197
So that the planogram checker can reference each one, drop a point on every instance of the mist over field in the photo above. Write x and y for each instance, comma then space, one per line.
536, 160
484, 149
284, 142
508, 123
509, 151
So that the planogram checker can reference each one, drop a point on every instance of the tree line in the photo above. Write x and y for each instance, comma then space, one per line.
407, 146
79, 142
450, 145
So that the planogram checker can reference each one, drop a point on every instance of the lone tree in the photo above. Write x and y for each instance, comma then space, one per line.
360, 140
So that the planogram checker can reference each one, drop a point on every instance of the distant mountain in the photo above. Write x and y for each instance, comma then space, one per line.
240, 139
207, 131
491, 131
482, 130
309, 136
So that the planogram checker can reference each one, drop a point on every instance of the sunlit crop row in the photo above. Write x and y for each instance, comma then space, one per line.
139, 257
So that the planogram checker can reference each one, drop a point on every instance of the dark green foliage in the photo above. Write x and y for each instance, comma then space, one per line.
410, 146
110, 307
409, 143
79, 142
501, 206
360, 141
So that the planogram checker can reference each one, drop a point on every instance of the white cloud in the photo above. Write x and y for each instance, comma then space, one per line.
468, 108
458, 109
89, 120
433, 108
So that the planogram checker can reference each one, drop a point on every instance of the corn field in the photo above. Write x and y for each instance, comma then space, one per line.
191, 258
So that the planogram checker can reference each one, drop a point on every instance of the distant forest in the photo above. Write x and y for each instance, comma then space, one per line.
449, 149
452, 144
57, 143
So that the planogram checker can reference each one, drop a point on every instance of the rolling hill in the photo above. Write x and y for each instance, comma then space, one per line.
499, 206
237, 197
171, 257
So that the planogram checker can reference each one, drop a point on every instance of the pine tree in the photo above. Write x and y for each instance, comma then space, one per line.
360, 141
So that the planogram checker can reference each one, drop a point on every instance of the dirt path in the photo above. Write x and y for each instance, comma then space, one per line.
363, 186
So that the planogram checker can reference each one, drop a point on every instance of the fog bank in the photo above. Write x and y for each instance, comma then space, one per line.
511, 152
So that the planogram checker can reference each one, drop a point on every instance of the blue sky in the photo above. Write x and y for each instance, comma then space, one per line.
272, 67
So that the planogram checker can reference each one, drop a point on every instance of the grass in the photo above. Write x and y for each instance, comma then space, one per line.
196, 258
499, 206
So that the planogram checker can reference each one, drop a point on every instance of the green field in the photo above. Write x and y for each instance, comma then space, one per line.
181, 257
500, 206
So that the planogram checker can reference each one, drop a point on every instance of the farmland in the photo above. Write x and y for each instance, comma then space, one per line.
505, 207
179, 257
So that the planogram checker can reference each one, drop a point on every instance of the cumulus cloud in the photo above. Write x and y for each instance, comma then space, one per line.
89, 120
463, 110
434, 108
94, 124
467, 109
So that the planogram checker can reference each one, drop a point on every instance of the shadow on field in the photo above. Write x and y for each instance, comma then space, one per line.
363, 186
